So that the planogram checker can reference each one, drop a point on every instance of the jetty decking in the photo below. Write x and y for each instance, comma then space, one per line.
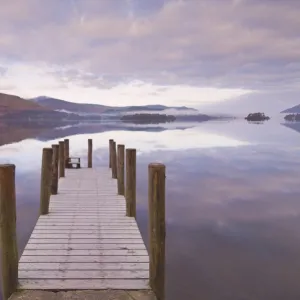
86, 243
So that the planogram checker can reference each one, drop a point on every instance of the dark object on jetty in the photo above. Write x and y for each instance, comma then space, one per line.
257, 117
73, 163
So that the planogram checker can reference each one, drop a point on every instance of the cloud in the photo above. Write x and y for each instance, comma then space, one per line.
244, 44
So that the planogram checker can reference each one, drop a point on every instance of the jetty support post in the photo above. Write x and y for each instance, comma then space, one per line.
130, 190
120, 169
110, 151
54, 183
8, 234
67, 151
61, 159
157, 228
46, 180
90, 153
114, 161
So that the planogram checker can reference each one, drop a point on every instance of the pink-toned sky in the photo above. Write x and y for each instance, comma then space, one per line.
240, 54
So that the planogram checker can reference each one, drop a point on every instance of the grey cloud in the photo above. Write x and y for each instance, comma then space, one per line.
3, 71
251, 44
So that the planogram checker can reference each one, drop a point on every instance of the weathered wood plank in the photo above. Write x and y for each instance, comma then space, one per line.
86, 231
68, 246
70, 252
85, 259
83, 284
85, 241
83, 274
82, 227
84, 266
84, 236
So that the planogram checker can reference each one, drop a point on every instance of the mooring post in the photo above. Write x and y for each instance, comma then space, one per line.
90, 153
157, 228
110, 151
46, 180
114, 160
54, 183
130, 190
120, 169
61, 159
66, 150
8, 234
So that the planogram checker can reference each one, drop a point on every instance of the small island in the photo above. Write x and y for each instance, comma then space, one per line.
148, 118
257, 117
292, 117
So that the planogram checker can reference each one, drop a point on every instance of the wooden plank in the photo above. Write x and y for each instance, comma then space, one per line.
84, 236
42, 252
84, 266
86, 227
83, 284
83, 274
86, 231
85, 259
87, 223
85, 241
116, 246
83, 213
119, 219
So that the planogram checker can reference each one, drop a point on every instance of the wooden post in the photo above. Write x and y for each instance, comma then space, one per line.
90, 153
120, 169
130, 190
110, 151
114, 160
157, 228
61, 159
66, 150
8, 235
46, 180
54, 183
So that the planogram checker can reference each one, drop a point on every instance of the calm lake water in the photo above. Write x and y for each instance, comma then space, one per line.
233, 200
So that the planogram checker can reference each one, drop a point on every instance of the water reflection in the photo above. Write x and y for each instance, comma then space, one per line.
233, 209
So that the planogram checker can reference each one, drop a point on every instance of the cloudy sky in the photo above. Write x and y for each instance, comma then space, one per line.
208, 54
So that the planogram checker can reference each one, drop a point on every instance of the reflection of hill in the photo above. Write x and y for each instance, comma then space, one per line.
295, 126
12, 134
62, 132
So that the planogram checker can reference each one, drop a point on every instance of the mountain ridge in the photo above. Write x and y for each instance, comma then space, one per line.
88, 108
292, 110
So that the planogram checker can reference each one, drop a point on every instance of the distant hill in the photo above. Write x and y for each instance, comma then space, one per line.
82, 108
292, 110
14, 109
11, 104
62, 105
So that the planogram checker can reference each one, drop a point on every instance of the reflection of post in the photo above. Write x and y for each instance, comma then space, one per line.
110, 151
114, 160
46, 180
61, 160
54, 184
90, 153
130, 191
120, 170
8, 235
157, 228
67, 154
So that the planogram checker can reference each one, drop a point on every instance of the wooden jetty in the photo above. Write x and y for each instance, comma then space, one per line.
86, 240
